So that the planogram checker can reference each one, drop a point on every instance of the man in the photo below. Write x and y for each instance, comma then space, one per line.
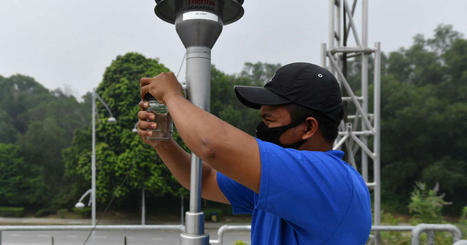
298, 190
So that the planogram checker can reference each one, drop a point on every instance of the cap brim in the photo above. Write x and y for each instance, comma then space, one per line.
255, 97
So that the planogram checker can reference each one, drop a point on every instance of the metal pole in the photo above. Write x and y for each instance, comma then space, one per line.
364, 81
93, 166
418, 229
431, 237
198, 24
323, 55
337, 12
198, 77
331, 24
377, 138
93, 159
182, 211
143, 207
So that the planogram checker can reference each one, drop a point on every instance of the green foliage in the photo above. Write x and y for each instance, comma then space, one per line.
21, 182
40, 123
84, 212
426, 204
119, 151
11, 211
463, 218
44, 212
424, 103
225, 104
8, 132
390, 238
62, 212
240, 242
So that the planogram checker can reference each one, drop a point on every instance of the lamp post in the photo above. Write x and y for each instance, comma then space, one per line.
111, 120
198, 24
143, 195
80, 203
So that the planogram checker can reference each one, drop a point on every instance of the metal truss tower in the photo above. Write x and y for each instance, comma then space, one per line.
359, 133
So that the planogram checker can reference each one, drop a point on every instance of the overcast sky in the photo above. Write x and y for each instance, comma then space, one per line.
70, 43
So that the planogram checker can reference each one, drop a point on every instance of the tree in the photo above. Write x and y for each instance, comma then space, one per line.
119, 152
41, 123
423, 107
20, 182
8, 132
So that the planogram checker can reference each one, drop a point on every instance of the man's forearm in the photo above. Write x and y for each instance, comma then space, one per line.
178, 161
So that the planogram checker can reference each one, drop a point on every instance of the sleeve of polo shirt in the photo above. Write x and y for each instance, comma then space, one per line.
240, 197
305, 188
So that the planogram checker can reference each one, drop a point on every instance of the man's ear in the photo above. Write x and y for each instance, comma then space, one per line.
311, 128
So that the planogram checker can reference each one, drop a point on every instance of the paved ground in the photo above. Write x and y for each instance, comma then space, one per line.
101, 237
108, 237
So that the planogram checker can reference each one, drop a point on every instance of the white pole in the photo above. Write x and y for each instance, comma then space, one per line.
377, 139
93, 158
331, 30
364, 81
143, 208
93, 165
182, 211
323, 55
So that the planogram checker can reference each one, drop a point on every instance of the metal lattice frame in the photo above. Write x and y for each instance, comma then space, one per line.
360, 130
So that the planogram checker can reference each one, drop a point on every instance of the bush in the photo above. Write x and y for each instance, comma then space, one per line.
45, 212
463, 219
11, 211
426, 204
240, 242
83, 212
62, 212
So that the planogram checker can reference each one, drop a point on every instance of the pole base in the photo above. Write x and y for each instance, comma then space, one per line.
189, 239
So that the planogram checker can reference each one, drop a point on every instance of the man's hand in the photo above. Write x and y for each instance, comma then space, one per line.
161, 86
146, 123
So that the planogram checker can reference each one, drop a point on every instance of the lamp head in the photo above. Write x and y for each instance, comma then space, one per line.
79, 205
112, 120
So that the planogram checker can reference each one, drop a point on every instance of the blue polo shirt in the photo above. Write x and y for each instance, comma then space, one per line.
305, 197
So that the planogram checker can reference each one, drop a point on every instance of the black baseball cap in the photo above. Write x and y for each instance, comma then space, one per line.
304, 84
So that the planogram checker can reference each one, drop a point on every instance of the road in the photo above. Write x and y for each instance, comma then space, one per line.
110, 237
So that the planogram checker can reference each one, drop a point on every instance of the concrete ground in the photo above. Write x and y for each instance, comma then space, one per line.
108, 237
100, 237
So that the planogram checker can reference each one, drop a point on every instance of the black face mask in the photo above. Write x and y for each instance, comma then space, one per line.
273, 134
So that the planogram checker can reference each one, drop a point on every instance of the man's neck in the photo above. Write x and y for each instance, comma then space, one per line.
316, 145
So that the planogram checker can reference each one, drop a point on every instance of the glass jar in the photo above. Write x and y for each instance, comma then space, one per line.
164, 128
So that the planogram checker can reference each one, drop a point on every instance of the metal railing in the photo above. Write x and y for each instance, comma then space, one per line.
225, 228
430, 228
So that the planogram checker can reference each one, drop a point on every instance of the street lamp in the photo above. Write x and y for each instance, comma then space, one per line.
80, 203
111, 120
